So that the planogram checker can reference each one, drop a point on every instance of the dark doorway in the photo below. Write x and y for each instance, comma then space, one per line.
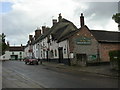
47, 55
81, 59
14, 57
60, 51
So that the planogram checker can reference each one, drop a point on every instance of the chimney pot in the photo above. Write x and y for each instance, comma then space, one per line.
43, 29
82, 20
37, 33
54, 21
30, 37
60, 17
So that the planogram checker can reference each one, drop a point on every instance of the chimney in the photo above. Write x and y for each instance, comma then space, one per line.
54, 21
43, 29
59, 18
37, 33
8, 43
30, 37
82, 20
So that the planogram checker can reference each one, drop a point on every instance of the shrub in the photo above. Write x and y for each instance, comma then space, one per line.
115, 59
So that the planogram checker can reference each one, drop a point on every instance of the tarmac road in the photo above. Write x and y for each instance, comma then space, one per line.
41, 76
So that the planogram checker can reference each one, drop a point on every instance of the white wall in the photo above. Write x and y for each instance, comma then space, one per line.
41, 47
65, 46
6, 56
17, 53
26, 54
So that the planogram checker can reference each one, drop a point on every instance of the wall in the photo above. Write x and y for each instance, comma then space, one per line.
17, 53
88, 49
26, 53
65, 45
6, 56
104, 49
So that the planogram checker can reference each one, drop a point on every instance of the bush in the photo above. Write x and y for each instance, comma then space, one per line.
115, 59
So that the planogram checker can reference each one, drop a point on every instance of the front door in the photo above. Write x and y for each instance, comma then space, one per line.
81, 59
60, 50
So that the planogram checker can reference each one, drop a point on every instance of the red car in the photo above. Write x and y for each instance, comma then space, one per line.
31, 60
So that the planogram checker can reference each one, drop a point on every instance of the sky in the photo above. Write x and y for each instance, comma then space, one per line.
19, 18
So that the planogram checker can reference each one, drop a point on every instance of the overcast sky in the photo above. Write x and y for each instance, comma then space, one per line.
21, 17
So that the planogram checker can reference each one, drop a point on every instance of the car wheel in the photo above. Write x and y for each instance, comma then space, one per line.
25, 62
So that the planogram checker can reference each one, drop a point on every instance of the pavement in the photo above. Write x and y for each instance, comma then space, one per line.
100, 69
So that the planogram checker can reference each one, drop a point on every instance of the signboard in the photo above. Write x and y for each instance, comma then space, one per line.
71, 55
92, 57
83, 41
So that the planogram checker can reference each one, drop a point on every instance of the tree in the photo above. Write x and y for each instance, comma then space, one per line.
116, 18
3, 45
3, 37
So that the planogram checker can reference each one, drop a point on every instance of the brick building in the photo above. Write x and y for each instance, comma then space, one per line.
87, 46
64, 43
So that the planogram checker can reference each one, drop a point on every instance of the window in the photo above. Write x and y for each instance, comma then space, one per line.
41, 53
64, 50
44, 54
12, 53
20, 53
52, 54
55, 53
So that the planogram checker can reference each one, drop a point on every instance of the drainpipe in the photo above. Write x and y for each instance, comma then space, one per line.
98, 53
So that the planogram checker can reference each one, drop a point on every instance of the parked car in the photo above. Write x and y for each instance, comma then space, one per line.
31, 60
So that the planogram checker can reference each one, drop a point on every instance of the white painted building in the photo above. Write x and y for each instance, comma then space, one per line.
50, 45
14, 53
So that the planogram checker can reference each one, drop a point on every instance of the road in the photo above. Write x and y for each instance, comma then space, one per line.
15, 74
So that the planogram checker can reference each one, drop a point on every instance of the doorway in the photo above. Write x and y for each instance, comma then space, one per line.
14, 57
81, 59
60, 51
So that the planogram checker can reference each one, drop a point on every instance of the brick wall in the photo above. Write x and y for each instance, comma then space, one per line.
90, 49
104, 49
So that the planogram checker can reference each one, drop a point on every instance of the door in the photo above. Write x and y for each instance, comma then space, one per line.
81, 59
14, 57
60, 51
47, 55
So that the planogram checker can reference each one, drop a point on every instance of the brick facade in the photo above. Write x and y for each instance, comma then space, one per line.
88, 49
104, 49
96, 48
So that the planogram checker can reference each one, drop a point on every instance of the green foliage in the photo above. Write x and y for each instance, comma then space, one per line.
115, 58
3, 45
114, 54
116, 17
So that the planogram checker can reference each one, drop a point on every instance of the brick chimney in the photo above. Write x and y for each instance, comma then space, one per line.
37, 33
43, 29
30, 37
82, 20
8, 43
54, 21
59, 18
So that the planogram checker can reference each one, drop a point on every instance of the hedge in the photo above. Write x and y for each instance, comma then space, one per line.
115, 57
